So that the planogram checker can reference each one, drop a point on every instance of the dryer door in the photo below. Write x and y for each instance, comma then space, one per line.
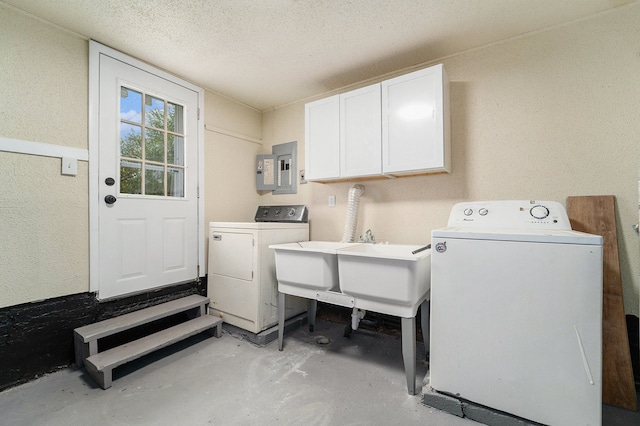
231, 284
231, 254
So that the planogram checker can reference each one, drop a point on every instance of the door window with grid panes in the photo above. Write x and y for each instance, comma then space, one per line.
152, 160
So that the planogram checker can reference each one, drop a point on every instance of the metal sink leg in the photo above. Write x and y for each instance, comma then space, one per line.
280, 319
409, 352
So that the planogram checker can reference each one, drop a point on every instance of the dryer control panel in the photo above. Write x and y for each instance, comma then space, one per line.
289, 214
521, 214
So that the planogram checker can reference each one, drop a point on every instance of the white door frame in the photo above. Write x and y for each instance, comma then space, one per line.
95, 50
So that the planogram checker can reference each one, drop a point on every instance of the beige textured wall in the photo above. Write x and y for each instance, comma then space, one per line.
44, 250
44, 81
544, 116
43, 215
230, 194
230, 152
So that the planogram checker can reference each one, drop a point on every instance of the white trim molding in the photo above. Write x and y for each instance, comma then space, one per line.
42, 149
232, 134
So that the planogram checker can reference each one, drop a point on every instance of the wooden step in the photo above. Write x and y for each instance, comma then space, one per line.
100, 365
143, 316
86, 338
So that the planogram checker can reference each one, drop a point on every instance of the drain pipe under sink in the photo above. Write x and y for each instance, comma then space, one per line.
349, 236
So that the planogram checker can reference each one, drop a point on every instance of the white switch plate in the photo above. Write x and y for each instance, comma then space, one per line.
69, 166
332, 200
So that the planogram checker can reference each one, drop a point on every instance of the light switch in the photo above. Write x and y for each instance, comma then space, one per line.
69, 166
332, 200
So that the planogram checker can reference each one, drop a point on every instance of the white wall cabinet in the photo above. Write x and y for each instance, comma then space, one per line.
360, 132
397, 127
415, 123
322, 139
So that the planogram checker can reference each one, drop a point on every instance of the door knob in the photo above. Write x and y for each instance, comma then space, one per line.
110, 199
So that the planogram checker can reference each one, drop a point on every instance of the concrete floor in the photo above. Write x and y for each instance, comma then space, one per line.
229, 381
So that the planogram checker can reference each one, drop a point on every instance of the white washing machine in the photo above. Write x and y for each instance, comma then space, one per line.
241, 281
516, 312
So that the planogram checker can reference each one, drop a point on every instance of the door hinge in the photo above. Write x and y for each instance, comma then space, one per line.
198, 113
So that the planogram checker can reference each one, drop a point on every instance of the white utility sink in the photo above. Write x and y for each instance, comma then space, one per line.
392, 279
308, 265
386, 278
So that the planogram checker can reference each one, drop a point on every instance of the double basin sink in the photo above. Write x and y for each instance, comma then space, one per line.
392, 279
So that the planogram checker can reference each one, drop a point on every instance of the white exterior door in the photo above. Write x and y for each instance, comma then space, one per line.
147, 208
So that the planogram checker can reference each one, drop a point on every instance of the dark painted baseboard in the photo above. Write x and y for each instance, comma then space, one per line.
37, 338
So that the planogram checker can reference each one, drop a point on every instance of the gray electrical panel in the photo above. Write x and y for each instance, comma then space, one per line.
277, 172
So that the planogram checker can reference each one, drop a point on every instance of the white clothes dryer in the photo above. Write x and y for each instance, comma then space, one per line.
516, 312
241, 282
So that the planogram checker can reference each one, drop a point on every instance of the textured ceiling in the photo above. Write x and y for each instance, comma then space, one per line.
267, 53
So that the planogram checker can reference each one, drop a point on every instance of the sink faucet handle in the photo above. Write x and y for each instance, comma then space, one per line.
367, 237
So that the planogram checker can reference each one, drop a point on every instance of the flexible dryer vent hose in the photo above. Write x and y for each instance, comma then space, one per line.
349, 233
349, 236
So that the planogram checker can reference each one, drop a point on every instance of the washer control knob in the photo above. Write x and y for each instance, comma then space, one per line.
468, 212
539, 212
292, 212
483, 212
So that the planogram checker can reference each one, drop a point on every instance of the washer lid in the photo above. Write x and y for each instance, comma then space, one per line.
518, 235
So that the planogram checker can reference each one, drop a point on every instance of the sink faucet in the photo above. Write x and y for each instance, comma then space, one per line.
367, 237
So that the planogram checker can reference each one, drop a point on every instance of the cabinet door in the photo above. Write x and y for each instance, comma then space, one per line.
414, 117
322, 139
360, 132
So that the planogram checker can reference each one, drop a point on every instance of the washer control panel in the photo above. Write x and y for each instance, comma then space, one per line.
289, 214
522, 214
